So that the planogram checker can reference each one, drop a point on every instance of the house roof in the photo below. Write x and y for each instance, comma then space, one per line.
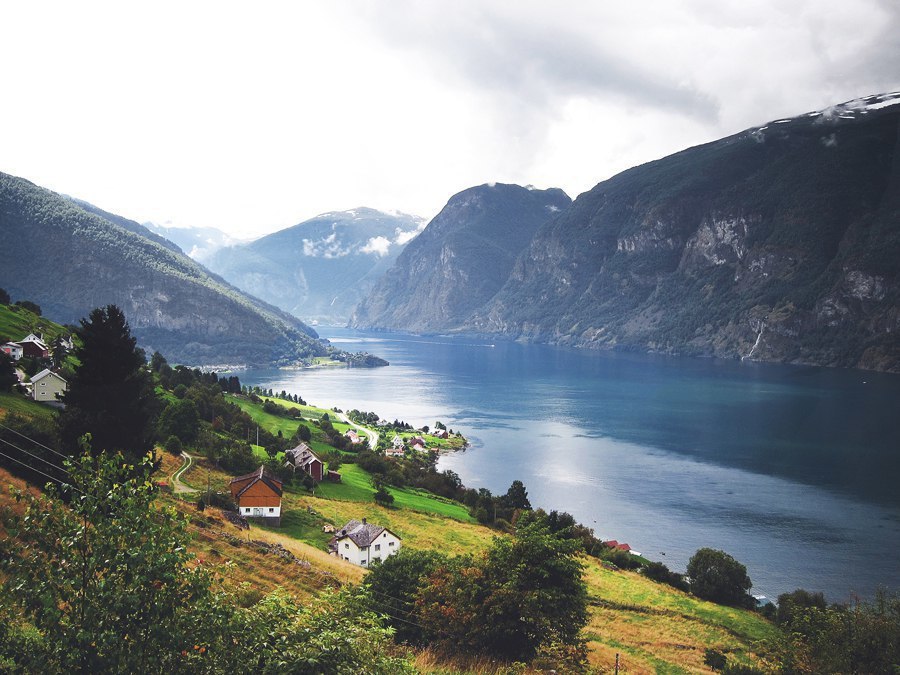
301, 456
361, 533
35, 339
261, 474
46, 372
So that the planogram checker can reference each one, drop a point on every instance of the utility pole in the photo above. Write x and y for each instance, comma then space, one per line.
617, 663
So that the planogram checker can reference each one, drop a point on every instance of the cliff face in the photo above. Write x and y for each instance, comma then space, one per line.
70, 260
461, 259
321, 268
781, 243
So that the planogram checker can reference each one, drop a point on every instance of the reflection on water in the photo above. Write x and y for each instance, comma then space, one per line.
792, 470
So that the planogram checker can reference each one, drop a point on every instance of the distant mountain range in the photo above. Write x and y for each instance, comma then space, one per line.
321, 268
780, 243
199, 243
70, 257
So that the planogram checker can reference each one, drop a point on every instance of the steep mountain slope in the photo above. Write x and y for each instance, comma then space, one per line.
781, 243
321, 268
460, 260
129, 225
70, 260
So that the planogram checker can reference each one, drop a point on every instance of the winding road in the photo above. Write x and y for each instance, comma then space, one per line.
177, 486
371, 435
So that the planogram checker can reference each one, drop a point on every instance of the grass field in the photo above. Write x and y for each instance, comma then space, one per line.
17, 403
652, 627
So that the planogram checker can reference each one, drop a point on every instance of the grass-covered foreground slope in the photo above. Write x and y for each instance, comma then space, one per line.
652, 627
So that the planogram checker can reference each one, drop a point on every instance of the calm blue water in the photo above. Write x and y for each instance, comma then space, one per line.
792, 470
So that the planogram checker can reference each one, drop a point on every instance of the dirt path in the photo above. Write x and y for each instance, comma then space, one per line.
177, 486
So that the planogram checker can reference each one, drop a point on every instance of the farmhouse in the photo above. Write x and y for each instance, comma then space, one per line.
303, 458
34, 346
258, 495
48, 386
352, 436
363, 543
14, 349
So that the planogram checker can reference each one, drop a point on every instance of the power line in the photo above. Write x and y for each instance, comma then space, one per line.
45, 461
17, 433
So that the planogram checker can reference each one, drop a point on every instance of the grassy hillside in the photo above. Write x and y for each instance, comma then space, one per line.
17, 322
652, 627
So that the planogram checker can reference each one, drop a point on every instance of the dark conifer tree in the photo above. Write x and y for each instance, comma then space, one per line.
111, 395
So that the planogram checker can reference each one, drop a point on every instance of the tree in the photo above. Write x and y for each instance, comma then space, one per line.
718, 577
111, 396
4, 297
32, 307
789, 604
304, 433
180, 418
524, 594
106, 583
517, 496
58, 351
393, 585
8, 377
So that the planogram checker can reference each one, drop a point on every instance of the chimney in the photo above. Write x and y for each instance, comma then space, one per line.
364, 521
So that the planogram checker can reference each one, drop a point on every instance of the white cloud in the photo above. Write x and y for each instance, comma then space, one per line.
380, 246
251, 119
328, 247
403, 237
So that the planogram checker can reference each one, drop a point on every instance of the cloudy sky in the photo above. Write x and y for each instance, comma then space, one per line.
251, 117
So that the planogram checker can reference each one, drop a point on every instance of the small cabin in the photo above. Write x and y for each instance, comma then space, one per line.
258, 496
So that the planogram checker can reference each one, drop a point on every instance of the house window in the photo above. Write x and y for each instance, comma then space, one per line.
390, 543
377, 547
346, 545
271, 510
362, 562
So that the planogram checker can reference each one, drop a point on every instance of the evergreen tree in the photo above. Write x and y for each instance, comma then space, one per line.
7, 372
111, 395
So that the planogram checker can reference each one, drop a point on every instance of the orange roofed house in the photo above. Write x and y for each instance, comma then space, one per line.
258, 495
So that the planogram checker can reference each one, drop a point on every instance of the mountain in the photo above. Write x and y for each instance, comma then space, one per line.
200, 243
460, 260
70, 259
321, 268
781, 243
129, 225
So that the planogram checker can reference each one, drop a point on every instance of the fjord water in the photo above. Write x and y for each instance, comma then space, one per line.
792, 470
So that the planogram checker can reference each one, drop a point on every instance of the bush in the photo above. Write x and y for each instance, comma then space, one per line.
173, 445
714, 659
718, 577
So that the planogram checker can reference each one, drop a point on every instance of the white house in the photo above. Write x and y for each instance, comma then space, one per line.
397, 442
46, 385
363, 543
14, 350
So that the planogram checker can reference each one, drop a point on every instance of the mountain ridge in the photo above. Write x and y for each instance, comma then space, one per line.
70, 259
460, 259
319, 269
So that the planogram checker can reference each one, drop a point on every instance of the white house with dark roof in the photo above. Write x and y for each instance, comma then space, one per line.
362, 543
48, 386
